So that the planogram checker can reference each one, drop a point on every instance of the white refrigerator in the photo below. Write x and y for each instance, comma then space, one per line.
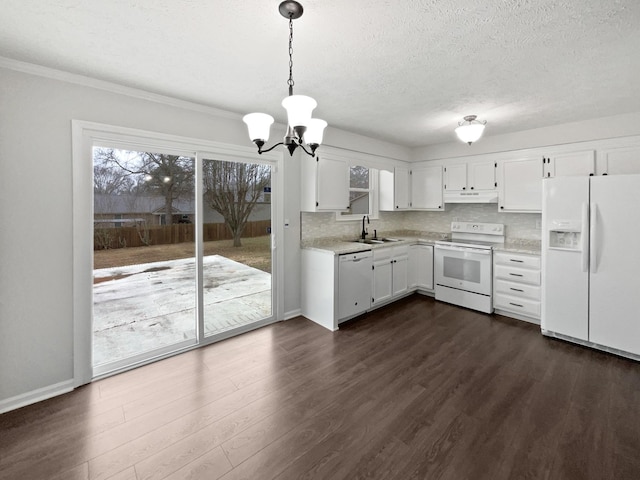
591, 261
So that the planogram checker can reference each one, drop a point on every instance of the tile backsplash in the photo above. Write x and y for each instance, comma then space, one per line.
517, 225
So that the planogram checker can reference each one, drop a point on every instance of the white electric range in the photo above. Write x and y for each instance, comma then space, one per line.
463, 266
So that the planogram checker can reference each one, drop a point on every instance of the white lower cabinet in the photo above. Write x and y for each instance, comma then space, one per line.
390, 275
420, 269
516, 284
335, 291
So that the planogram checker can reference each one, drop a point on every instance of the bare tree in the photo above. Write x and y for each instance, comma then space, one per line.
170, 176
232, 189
108, 178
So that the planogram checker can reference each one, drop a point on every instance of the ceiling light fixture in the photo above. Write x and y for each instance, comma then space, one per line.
470, 130
301, 128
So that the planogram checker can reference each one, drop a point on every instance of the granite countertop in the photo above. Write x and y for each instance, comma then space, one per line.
520, 245
407, 237
340, 245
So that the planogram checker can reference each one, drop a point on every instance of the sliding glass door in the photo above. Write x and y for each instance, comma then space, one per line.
144, 266
183, 251
236, 245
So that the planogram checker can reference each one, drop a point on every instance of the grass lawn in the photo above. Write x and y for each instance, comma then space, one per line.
255, 252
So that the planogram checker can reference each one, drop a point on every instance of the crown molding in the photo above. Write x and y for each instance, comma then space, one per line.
90, 82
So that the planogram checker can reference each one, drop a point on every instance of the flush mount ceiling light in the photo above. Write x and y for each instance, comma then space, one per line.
470, 130
301, 128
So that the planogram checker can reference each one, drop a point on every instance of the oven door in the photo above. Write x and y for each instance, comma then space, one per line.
463, 268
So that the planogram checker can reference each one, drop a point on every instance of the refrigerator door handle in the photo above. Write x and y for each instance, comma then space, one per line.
585, 229
593, 235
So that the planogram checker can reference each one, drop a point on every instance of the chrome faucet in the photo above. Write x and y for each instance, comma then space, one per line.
364, 232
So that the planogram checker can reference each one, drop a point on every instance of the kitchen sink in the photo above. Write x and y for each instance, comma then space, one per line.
369, 241
376, 241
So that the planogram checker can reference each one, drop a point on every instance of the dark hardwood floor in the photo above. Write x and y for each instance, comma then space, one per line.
416, 390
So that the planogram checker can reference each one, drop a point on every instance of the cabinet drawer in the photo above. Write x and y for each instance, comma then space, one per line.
519, 290
382, 254
400, 251
517, 260
515, 274
515, 304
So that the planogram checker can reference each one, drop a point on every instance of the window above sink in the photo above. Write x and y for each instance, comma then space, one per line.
363, 194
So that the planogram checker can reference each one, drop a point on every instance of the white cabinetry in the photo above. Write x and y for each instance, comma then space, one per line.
390, 276
420, 271
517, 284
520, 186
426, 188
470, 176
394, 189
566, 164
319, 299
619, 161
324, 183
417, 189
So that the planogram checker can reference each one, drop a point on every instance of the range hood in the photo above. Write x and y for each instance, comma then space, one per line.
471, 197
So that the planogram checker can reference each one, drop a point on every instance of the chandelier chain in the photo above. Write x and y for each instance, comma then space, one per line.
290, 82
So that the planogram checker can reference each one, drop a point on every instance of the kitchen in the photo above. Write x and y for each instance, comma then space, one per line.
512, 283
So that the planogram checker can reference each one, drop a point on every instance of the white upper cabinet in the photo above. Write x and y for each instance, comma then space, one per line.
426, 188
401, 184
455, 177
470, 176
482, 176
324, 183
417, 189
394, 189
520, 186
619, 161
570, 164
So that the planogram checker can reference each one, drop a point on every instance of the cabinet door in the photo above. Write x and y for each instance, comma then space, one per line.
332, 177
455, 177
570, 164
482, 176
426, 188
401, 188
381, 288
420, 268
520, 185
400, 277
619, 161
413, 267
425, 267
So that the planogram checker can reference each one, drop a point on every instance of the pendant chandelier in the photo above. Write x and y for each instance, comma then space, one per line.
470, 130
301, 128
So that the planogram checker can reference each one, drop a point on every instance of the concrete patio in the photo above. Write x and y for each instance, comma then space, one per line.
142, 307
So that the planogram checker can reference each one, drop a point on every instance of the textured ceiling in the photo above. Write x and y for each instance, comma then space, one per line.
404, 71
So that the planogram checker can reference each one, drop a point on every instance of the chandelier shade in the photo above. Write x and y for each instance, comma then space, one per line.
299, 108
315, 131
259, 125
470, 130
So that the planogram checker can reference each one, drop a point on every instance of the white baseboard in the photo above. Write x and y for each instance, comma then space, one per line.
292, 314
35, 396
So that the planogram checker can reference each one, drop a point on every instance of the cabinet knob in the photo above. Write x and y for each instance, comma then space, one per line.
471, 188
464, 188
501, 208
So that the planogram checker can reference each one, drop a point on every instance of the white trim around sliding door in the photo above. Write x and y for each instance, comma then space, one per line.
87, 134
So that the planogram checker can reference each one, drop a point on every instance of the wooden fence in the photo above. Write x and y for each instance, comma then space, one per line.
120, 237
